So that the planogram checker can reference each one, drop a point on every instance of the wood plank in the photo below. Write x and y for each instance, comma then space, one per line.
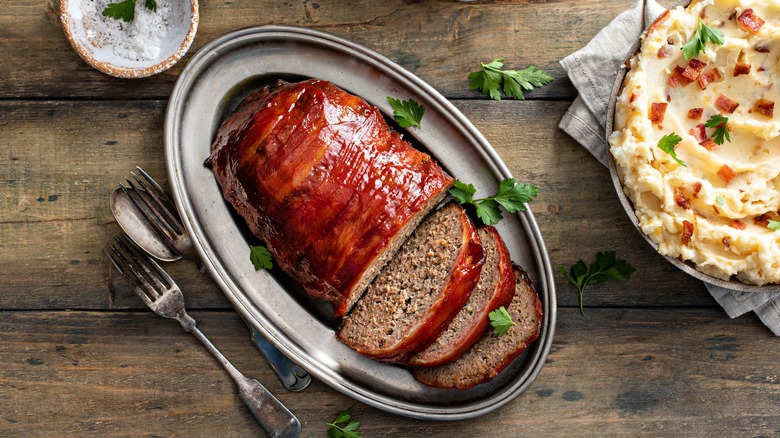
55, 216
61, 161
119, 373
439, 41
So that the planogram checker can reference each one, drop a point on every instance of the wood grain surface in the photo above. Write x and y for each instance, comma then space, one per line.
81, 356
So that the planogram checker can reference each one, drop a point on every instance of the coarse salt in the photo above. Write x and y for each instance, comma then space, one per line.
138, 40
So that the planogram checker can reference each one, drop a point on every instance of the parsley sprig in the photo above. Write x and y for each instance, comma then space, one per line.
511, 195
490, 78
773, 225
605, 267
667, 144
703, 35
719, 122
406, 112
501, 320
260, 257
349, 428
125, 10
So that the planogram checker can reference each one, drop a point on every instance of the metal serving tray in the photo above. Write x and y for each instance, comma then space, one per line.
209, 87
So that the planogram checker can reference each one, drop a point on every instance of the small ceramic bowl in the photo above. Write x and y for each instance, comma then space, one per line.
149, 44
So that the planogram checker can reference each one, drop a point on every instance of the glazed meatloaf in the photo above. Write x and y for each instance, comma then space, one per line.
495, 289
419, 291
321, 178
493, 352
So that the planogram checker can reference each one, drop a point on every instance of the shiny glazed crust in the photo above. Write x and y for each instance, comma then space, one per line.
325, 183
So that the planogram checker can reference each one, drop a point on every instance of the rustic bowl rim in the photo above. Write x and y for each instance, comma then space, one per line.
128, 72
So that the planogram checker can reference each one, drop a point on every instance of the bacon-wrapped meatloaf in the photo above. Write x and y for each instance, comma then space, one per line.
321, 178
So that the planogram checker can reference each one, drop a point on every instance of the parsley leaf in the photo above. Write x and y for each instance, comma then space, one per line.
703, 35
719, 200
667, 144
349, 430
490, 78
605, 267
719, 122
500, 320
406, 112
125, 10
260, 257
511, 195
773, 225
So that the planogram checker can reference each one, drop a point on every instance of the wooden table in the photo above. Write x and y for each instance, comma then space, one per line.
80, 355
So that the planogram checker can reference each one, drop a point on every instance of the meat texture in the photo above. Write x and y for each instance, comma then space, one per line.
495, 288
488, 357
321, 178
419, 292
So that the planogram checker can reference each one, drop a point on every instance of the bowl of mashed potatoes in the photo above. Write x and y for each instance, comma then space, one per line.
695, 145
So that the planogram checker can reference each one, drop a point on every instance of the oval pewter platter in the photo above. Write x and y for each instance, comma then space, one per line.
209, 87
685, 266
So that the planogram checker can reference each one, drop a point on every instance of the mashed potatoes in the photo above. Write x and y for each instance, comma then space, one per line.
718, 209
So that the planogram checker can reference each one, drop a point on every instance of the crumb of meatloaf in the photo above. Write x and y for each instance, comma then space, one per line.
491, 354
478, 299
408, 285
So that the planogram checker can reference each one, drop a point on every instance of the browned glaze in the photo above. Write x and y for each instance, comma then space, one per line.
322, 179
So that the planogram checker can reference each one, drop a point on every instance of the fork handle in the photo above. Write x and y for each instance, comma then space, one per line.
272, 415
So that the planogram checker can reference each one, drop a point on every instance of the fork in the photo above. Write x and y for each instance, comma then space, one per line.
160, 212
161, 294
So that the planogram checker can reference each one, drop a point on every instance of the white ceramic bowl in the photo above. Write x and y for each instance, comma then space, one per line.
149, 44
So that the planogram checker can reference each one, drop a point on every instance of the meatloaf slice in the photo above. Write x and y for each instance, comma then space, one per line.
321, 178
493, 352
419, 291
495, 288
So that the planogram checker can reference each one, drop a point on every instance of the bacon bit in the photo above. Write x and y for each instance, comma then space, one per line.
762, 68
762, 220
699, 133
694, 69
765, 107
750, 21
657, 112
737, 224
709, 77
677, 79
726, 104
709, 144
695, 113
741, 68
661, 18
727, 174
762, 49
687, 232
696, 189
727, 242
680, 199
663, 52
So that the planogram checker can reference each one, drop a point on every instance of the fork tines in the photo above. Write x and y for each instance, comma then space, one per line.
156, 206
150, 281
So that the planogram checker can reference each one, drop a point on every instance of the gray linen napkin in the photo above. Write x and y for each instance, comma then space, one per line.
592, 70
